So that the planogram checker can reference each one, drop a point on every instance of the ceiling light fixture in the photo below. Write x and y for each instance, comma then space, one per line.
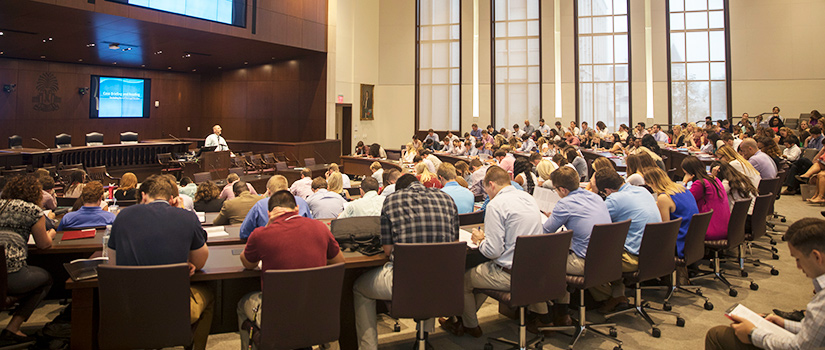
127, 49
42, 56
90, 45
170, 67
114, 46
158, 52
1, 33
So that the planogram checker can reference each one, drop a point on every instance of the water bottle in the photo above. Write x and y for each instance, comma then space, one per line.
106, 240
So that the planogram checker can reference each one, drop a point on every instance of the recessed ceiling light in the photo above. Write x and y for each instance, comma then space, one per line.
1, 33
42, 56
1, 52
90, 45
246, 63
80, 60
114, 62
142, 65
158, 52
50, 39
114, 46
194, 70
170, 67
220, 67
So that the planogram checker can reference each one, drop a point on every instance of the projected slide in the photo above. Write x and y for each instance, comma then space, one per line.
121, 98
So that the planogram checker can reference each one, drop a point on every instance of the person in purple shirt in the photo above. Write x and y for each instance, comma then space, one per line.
90, 214
258, 216
476, 132
761, 161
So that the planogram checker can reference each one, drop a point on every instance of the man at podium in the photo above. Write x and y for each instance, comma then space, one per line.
216, 140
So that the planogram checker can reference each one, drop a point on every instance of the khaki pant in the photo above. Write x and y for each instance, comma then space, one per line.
724, 338
488, 275
201, 309
615, 289
575, 266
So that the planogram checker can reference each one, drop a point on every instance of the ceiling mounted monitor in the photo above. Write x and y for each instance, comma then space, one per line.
232, 12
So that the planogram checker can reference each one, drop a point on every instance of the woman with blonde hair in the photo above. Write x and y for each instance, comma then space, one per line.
636, 163
426, 178
127, 188
678, 136
335, 184
544, 169
728, 155
409, 153
599, 163
674, 201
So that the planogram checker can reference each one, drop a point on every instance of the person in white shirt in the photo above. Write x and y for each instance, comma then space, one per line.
517, 132
601, 130
458, 148
659, 136
428, 155
574, 129
377, 173
303, 187
640, 130
544, 128
792, 150
528, 145
216, 140
368, 205
333, 167
392, 177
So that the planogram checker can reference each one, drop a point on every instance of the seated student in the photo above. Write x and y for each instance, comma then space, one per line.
458, 148
479, 170
187, 187
159, 221
710, 194
462, 197
76, 182
760, 161
728, 155
523, 175
289, 241
426, 178
90, 214
48, 199
578, 162
258, 216
578, 210
436, 162
335, 184
528, 145
369, 204
234, 210
737, 186
377, 173
228, 192
206, 198
392, 176
127, 188
303, 187
344, 177
544, 169
806, 241
21, 218
324, 204
624, 202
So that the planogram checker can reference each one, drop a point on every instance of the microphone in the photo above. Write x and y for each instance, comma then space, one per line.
176, 139
40, 142
322, 157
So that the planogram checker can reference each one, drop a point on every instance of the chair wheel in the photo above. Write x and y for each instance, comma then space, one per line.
775, 256
680, 322
613, 332
743, 273
708, 306
783, 238
699, 292
733, 292
773, 249
773, 242
774, 272
617, 347
488, 346
754, 286
783, 220
396, 328
539, 345
666, 306
656, 332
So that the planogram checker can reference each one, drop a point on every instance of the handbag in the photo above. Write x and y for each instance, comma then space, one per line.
358, 234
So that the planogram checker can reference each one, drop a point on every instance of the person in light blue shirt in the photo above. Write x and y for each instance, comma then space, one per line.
462, 197
258, 216
578, 210
90, 214
187, 187
325, 204
624, 202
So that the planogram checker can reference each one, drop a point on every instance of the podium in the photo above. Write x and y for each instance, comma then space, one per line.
216, 163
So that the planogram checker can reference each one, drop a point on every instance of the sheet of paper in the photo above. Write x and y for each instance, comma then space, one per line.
31, 240
201, 216
215, 231
466, 236
743, 312
546, 198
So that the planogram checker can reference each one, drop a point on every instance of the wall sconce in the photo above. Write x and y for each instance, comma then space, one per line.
8, 88
82, 91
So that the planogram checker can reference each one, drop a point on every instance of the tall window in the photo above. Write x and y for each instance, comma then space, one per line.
603, 59
698, 60
516, 62
439, 65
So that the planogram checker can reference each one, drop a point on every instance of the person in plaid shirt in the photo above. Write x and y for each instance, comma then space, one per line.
412, 214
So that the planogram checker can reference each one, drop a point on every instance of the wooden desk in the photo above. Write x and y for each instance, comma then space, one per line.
223, 265
361, 165
294, 174
112, 156
448, 158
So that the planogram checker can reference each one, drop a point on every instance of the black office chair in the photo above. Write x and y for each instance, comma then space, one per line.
694, 251
758, 229
94, 139
128, 137
476, 217
309, 162
63, 141
15, 141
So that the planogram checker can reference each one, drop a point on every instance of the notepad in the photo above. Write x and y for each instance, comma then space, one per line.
201, 216
215, 231
546, 199
743, 312
466, 236
70, 235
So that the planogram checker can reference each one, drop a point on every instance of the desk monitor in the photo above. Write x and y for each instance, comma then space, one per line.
205, 149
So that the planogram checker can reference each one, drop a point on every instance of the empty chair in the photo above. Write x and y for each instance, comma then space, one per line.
655, 260
758, 228
13, 172
476, 217
169, 165
309, 161
602, 264
427, 282
281, 166
144, 307
128, 137
538, 275
694, 251
237, 171
203, 177
99, 173
15, 141
63, 141
94, 139
292, 303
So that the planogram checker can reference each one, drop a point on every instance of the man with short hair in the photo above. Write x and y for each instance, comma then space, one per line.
438, 222
528, 129
728, 139
216, 140
303, 187
640, 130
188, 187
475, 132
806, 241
584, 129
90, 214
158, 222
492, 131
744, 122
510, 213
486, 138
235, 210
528, 145
478, 171
436, 162
815, 140
228, 193
624, 202
48, 201
258, 216
369, 204
761, 161
463, 198
392, 177
431, 135
322, 203
508, 160
659, 136
578, 210
289, 241
517, 132
544, 128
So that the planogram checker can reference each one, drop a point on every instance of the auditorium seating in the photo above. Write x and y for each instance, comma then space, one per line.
128, 137
94, 139
15, 141
63, 141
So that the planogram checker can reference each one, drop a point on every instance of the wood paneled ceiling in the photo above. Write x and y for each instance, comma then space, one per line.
38, 31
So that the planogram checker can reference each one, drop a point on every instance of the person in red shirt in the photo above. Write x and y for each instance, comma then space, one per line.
288, 241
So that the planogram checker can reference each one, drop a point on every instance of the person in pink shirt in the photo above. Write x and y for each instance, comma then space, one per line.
710, 194
506, 160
